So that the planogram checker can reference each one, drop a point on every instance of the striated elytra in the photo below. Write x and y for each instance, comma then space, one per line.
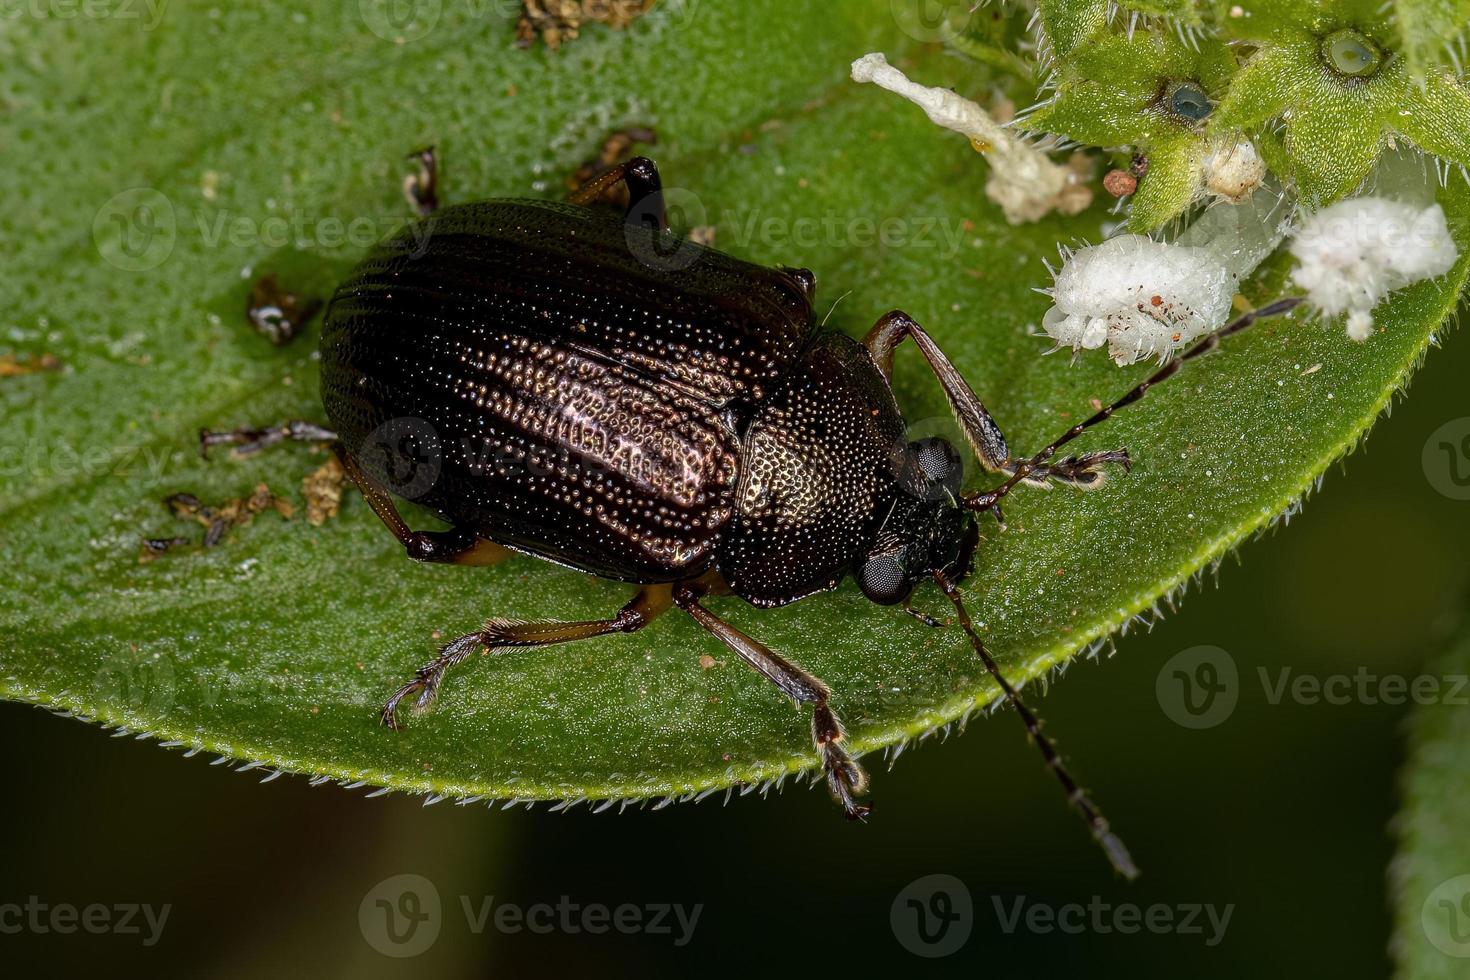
583, 386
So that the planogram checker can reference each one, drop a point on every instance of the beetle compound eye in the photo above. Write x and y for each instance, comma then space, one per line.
1188, 101
882, 579
939, 462
934, 461
1351, 55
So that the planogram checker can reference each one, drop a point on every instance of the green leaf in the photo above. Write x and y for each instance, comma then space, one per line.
1068, 23
1430, 28
1172, 182
1118, 89
1337, 123
1431, 872
279, 645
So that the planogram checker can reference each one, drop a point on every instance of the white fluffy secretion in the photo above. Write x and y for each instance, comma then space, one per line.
1140, 297
1356, 252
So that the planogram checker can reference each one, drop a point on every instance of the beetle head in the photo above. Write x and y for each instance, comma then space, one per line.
923, 534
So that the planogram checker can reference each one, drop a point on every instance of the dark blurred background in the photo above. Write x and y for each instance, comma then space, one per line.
1279, 813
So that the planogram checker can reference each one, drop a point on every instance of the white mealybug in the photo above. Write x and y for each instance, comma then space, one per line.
1356, 252
1140, 297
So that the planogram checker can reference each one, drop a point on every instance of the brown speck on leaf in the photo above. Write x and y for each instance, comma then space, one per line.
217, 520
1119, 183
322, 488
12, 366
558, 21
706, 662
1096, 404
155, 548
703, 235
436, 635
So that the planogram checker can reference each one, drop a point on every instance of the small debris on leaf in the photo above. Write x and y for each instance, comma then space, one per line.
12, 366
558, 21
322, 488
216, 520
278, 313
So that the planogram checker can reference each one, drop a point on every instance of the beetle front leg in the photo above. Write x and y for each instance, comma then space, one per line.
499, 634
981, 431
846, 779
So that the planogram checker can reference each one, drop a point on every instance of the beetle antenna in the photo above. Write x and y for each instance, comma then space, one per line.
990, 499
1111, 844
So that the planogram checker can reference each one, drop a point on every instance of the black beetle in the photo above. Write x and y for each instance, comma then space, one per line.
583, 386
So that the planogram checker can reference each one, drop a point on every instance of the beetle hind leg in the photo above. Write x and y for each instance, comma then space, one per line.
846, 779
502, 634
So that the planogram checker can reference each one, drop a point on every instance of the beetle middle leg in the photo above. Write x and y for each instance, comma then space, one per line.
498, 634
845, 777
981, 431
